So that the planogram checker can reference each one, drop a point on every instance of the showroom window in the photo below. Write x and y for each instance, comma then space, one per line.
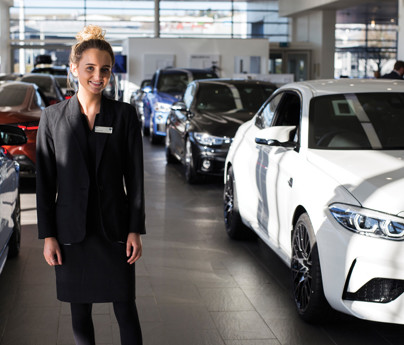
49, 27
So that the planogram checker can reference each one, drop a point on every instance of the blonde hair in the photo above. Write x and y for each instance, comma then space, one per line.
92, 36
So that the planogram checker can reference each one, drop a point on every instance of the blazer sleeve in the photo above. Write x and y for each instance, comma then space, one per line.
45, 178
134, 173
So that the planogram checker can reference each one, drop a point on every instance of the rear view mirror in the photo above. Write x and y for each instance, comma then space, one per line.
11, 135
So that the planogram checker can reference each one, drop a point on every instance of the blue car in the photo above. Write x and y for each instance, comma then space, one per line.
167, 86
10, 211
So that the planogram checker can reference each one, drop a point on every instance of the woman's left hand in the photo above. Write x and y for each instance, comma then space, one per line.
133, 247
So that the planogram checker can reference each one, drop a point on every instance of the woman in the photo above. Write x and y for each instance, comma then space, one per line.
90, 195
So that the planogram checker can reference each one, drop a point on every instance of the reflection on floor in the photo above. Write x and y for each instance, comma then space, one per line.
194, 285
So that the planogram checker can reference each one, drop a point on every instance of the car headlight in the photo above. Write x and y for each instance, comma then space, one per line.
163, 107
368, 222
211, 140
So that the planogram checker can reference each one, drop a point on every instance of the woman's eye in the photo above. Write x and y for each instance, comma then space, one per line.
90, 68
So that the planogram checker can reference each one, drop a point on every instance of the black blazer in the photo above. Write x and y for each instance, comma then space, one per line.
62, 175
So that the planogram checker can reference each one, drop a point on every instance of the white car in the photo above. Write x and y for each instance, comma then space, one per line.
318, 174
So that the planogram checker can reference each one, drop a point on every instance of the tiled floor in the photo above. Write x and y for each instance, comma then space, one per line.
194, 285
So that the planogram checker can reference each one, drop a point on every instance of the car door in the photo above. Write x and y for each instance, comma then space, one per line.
7, 197
251, 179
275, 169
180, 121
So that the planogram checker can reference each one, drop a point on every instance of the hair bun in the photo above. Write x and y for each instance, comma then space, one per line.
91, 32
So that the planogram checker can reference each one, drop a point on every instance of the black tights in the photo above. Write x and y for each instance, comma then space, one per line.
125, 313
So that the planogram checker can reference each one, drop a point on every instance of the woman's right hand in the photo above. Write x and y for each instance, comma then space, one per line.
51, 251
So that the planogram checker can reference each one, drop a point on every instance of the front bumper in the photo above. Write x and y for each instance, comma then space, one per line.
159, 122
209, 160
362, 276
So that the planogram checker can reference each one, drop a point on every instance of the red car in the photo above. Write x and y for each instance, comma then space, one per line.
21, 105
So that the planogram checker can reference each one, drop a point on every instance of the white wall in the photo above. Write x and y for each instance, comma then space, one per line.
141, 51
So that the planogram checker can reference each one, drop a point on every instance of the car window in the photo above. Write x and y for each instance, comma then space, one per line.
228, 97
39, 100
12, 95
357, 121
189, 94
203, 75
288, 113
268, 112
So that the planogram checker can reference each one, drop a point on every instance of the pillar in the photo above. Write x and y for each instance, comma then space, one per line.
400, 38
317, 29
5, 50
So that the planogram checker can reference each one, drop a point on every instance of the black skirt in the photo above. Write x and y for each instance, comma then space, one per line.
94, 270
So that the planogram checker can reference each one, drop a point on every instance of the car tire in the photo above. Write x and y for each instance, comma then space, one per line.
154, 139
170, 159
308, 293
235, 227
191, 176
15, 240
145, 130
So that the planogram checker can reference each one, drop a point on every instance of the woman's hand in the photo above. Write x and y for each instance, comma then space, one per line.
133, 247
51, 251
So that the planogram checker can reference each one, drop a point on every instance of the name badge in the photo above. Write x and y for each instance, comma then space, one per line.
102, 129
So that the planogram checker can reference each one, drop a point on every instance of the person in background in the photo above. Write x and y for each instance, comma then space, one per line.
90, 193
397, 72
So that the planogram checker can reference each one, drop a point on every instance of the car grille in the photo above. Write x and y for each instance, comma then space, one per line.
379, 290
161, 127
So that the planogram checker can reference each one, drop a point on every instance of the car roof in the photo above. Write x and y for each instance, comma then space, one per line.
192, 70
234, 81
339, 86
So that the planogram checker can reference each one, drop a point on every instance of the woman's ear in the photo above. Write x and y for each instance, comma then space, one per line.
73, 69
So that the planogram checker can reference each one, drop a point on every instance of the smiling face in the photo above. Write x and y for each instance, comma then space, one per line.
93, 71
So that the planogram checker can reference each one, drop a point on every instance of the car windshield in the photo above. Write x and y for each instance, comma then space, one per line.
62, 81
173, 83
357, 121
12, 95
177, 82
223, 97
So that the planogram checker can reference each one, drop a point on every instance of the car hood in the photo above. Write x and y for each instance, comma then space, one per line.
220, 124
374, 178
19, 117
168, 97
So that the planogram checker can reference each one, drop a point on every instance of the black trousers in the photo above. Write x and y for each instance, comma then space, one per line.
125, 313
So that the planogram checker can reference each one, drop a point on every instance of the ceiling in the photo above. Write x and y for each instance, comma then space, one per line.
382, 12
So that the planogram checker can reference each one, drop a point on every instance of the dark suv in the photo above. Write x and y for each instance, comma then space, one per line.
167, 86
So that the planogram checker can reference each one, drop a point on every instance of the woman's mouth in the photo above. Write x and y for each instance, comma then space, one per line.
96, 84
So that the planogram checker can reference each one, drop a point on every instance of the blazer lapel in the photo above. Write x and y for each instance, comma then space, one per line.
74, 119
106, 120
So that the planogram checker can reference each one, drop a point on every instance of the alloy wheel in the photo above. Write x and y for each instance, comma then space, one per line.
302, 267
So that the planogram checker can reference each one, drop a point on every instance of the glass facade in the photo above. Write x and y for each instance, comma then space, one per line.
48, 26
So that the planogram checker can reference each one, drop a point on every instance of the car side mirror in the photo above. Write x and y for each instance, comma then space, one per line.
277, 136
180, 106
11, 135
